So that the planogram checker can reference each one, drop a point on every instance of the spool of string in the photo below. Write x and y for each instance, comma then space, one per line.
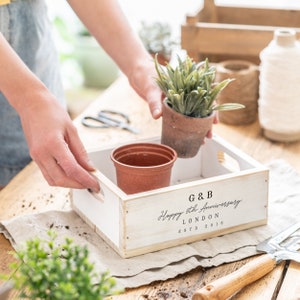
279, 91
244, 90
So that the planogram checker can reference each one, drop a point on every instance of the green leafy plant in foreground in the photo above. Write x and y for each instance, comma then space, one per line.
46, 271
190, 88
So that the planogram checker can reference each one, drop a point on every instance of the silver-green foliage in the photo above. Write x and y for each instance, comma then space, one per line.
190, 88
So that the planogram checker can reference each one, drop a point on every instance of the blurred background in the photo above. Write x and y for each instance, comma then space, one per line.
79, 52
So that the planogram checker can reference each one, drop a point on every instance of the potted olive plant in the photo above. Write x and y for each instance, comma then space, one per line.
157, 39
190, 103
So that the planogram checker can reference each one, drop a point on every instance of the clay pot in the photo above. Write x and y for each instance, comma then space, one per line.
182, 133
143, 166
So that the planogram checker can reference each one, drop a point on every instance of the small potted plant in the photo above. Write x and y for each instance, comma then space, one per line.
157, 39
190, 103
44, 270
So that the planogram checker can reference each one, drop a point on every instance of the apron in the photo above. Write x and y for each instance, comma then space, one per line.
25, 25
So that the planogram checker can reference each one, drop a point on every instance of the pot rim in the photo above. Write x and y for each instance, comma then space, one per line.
129, 148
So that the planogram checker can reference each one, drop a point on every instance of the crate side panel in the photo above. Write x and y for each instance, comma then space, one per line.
215, 154
258, 16
227, 39
198, 209
243, 42
102, 216
187, 169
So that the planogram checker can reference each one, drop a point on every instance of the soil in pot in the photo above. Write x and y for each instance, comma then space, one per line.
183, 133
143, 166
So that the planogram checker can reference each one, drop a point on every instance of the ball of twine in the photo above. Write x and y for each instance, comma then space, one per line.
244, 90
279, 92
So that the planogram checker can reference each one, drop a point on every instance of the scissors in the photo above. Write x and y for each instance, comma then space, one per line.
107, 119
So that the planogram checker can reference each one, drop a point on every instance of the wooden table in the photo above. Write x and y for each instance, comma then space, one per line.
28, 192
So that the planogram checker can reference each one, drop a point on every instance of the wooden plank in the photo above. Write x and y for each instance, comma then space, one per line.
258, 16
217, 38
29, 192
291, 285
210, 12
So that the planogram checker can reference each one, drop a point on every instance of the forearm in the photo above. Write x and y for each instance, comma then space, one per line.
107, 23
17, 82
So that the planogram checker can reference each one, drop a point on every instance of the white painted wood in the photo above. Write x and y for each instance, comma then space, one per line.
205, 199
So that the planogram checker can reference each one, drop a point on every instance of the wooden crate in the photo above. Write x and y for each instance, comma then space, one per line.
226, 32
221, 190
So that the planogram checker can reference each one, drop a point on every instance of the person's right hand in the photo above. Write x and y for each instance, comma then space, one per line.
55, 146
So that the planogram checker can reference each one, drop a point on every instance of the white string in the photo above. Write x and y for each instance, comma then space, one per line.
279, 89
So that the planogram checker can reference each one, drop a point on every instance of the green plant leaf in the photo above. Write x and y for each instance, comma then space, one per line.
190, 88
45, 270
229, 106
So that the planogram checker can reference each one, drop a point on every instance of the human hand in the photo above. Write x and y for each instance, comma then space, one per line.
215, 121
55, 145
142, 79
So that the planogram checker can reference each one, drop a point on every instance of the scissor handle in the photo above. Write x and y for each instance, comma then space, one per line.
90, 121
104, 120
105, 114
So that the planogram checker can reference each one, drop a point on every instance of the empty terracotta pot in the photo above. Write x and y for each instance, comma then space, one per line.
143, 166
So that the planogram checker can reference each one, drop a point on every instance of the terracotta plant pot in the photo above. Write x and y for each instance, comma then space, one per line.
143, 166
182, 133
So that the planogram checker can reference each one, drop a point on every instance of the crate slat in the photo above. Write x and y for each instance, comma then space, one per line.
225, 32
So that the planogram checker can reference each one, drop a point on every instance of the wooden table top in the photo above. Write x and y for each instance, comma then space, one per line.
28, 192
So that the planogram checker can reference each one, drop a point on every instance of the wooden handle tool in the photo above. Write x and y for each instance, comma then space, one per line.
226, 286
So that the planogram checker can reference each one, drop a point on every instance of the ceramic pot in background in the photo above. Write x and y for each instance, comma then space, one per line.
142, 167
182, 133
99, 70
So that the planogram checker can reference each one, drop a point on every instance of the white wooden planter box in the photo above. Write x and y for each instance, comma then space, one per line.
219, 191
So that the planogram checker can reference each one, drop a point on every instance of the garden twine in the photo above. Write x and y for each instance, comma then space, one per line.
279, 99
244, 90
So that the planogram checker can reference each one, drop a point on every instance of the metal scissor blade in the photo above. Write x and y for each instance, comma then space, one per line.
273, 243
287, 255
129, 128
